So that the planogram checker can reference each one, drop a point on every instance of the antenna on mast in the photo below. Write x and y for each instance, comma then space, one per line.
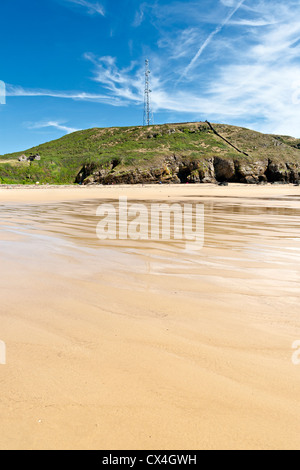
148, 115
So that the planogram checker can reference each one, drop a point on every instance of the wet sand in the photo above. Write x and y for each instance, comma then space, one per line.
142, 345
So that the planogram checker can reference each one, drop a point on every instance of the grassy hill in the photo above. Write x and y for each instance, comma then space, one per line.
120, 151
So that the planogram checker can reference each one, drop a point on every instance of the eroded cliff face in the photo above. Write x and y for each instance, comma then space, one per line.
203, 153
180, 170
197, 152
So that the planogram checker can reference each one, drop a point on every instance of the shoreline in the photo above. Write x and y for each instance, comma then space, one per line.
54, 193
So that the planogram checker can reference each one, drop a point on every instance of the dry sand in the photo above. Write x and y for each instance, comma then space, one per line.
141, 345
46, 193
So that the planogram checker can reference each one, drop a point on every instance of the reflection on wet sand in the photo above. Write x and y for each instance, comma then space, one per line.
140, 344
232, 226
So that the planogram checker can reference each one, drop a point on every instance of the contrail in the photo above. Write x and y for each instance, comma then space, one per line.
209, 39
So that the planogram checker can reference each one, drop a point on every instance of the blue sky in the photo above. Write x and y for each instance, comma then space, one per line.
76, 64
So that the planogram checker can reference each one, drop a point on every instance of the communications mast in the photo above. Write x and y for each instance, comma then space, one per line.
148, 115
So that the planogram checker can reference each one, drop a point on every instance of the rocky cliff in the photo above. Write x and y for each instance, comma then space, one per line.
171, 153
178, 170
223, 154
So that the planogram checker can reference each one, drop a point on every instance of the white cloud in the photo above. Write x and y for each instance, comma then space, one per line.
255, 23
250, 77
229, 3
255, 86
139, 16
210, 38
128, 85
55, 124
92, 8
186, 39
18, 91
125, 84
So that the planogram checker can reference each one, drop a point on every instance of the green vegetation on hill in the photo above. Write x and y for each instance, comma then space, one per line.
140, 147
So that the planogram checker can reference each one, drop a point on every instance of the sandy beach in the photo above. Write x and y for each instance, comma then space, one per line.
46, 193
142, 345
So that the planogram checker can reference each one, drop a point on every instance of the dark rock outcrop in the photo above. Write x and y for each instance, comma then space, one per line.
277, 172
175, 169
251, 173
224, 169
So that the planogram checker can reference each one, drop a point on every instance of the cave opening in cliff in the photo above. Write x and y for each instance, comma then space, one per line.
183, 175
